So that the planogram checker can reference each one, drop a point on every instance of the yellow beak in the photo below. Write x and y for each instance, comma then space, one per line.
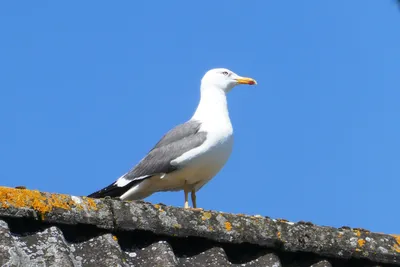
245, 80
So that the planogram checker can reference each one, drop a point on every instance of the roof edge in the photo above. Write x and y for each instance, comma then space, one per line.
114, 215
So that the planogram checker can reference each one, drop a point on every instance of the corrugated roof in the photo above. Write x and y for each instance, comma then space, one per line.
43, 229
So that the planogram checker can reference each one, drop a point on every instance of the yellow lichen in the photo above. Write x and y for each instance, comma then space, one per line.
115, 238
157, 206
228, 226
206, 216
177, 225
357, 232
340, 235
41, 202
210, 228
396, 246
397, 238
361, 242
90, 203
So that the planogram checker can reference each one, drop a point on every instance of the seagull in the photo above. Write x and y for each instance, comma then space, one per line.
189, 155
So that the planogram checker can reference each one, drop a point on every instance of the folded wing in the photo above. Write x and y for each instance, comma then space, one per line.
173, 144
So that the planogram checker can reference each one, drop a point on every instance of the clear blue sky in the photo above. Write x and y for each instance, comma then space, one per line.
88, 87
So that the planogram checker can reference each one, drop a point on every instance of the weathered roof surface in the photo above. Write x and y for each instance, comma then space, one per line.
43, 229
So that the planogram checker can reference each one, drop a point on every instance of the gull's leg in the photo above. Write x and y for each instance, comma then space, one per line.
194, 200
186, 190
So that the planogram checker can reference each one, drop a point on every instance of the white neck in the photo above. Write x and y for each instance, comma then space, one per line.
212, 107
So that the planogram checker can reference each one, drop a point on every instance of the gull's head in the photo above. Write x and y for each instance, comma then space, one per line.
224, 79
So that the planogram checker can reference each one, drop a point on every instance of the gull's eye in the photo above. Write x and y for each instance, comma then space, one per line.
225, 73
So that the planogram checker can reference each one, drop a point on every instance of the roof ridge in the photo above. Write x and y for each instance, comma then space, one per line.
115, 215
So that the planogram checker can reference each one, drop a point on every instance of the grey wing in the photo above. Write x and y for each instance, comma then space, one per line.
179, 132
176, 142
173, 144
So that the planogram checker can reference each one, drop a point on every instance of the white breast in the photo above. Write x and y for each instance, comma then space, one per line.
204, 162
199, 165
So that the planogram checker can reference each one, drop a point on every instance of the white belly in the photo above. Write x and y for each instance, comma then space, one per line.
198, 170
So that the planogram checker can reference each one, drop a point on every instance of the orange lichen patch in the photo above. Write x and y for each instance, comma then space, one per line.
115, 238
362, 230
282, 220
357, 232
206, 216
279, 235
361, 242
61, 201
397, 238
42, 203
228, 226
90, 203
396, 247
157, 206
5, 205
19, 198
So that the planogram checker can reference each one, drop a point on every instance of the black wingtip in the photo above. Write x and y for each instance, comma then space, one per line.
110, 191
113, 190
